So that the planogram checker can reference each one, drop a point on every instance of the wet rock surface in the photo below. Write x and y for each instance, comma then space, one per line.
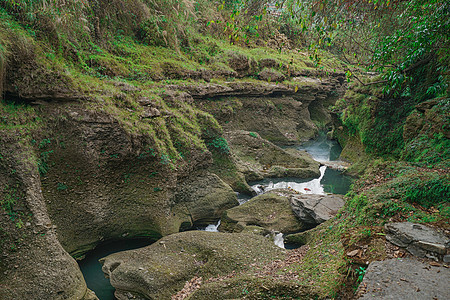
418, 239
316, 209
405, 279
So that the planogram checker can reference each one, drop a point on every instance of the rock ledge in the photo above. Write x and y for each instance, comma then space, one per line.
418, 239
404, 279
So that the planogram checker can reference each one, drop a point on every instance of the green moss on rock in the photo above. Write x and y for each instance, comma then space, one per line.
271, 211
259, 158
161, 270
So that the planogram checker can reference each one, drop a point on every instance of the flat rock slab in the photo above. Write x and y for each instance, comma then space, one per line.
407, 279
418, 239
315, 208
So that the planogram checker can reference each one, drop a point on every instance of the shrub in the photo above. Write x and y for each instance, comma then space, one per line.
42, 164
219, 144
151, 33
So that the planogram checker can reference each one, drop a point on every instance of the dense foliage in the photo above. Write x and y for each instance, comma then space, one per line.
394, 37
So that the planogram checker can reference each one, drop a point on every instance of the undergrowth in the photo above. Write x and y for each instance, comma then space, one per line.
388, 191
397, 127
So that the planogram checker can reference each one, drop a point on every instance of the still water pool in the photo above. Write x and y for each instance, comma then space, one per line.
330, 181
92, 270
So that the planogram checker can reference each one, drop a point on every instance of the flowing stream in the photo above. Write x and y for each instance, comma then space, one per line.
330, 181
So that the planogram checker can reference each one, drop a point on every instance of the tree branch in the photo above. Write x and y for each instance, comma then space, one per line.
370, 83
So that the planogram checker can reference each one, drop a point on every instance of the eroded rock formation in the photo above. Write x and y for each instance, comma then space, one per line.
270, 211
161, 270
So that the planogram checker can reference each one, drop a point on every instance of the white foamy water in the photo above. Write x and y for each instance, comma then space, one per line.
278, 239
213, 227
310, 187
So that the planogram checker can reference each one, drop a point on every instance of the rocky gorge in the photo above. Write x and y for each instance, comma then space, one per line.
97, 181
125, 127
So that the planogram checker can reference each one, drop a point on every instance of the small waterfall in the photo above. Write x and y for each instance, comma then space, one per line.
278, 239
313, 186
259, 189
242, 198
213, 227
320, 149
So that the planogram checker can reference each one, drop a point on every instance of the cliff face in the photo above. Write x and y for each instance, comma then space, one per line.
34, 265
79, 178
281, 113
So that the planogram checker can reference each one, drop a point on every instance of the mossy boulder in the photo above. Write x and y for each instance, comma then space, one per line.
258, 158
204, 197
270, 211
161, 270
255, 229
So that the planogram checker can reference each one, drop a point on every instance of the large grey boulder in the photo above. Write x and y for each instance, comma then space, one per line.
202, 199
270, 211
418, 239
406, 279
162, 269
314, 208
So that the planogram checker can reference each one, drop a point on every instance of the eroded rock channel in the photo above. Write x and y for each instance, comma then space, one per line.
127, 126
270, 214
